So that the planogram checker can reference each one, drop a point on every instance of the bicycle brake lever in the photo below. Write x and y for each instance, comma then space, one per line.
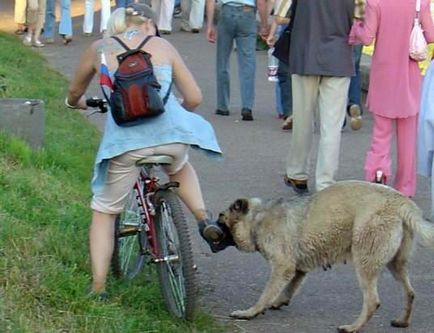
91, 113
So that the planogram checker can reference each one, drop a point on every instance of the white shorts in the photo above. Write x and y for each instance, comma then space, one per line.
122, 174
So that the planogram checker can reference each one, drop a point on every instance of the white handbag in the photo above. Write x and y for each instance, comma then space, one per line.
418, 44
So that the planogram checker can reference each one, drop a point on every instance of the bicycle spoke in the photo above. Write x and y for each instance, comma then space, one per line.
126, 250
176, 279
128, 255
179, 294
175, 268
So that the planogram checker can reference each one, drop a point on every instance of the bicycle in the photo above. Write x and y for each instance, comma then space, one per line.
152, 229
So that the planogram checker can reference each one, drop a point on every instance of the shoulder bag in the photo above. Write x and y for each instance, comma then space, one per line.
418, 45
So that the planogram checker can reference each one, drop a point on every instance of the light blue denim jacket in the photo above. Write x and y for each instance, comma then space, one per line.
175, 125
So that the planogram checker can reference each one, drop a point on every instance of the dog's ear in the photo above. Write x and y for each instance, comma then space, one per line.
241, 206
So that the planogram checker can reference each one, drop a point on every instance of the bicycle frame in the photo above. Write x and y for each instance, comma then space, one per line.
145, 188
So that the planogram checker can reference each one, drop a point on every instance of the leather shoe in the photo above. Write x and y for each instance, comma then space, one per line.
222, 112
287, 124
355, 113
246, 114
217, 235
299, 186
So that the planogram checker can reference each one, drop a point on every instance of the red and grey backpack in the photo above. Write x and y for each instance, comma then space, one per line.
135, 95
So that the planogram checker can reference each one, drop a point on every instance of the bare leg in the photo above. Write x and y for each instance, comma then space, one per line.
189, 191
101, 237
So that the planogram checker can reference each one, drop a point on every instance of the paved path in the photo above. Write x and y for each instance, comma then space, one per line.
255, 154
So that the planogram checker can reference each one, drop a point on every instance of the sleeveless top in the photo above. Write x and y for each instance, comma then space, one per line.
175, 125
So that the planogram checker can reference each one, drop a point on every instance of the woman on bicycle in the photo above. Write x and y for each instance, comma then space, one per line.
171, 133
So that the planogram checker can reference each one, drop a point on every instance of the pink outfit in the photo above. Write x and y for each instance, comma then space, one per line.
394, 84
378, 156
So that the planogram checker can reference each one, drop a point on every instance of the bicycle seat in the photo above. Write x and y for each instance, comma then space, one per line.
155, 159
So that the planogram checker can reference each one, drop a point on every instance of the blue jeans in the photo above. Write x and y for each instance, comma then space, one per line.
123, 3
285, 85
354, 92
65, 25
236, 23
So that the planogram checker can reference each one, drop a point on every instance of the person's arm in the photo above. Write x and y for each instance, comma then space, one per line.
364, 31
210, 29
82, 78
184, 82
280, 17
263, 17
283, 10
271, 38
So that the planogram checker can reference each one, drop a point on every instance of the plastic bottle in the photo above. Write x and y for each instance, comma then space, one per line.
273, 63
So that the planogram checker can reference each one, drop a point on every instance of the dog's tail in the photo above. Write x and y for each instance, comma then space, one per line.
414, 220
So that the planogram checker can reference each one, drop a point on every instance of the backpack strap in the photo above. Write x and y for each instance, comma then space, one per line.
143, 42
166, 97
121, 42
147, 38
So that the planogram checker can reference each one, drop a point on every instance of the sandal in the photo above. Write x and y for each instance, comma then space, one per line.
66, 39
380, 177
216, 235
38, 43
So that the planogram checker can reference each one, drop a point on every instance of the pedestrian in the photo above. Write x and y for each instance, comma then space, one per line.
320, 62
284, 11
425, 132
171, 133
164, 14
192, 14
354, 106
123, 3
65, 25
394, 87
236, 22
89, 12
35, 18
20, 16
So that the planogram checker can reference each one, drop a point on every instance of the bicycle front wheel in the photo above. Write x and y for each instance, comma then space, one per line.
130, 241
175, 266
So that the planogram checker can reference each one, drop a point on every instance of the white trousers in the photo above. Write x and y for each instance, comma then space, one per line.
164, 11
192, 13
89, 12
328, 95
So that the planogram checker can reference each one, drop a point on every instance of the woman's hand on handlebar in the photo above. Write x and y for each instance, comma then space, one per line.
99, 104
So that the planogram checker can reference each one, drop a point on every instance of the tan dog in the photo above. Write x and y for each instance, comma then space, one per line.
372, 225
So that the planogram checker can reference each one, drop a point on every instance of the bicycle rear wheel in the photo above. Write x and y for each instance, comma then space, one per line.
130, 241
175, 269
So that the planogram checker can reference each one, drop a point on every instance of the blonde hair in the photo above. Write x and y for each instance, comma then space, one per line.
121, 19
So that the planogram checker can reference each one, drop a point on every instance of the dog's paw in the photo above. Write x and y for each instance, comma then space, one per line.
346, 329
243, 314
399, 323
278, 305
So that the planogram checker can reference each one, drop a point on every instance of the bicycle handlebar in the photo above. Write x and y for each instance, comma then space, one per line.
97, 103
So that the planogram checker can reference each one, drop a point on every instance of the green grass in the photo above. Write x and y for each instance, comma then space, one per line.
44, 218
